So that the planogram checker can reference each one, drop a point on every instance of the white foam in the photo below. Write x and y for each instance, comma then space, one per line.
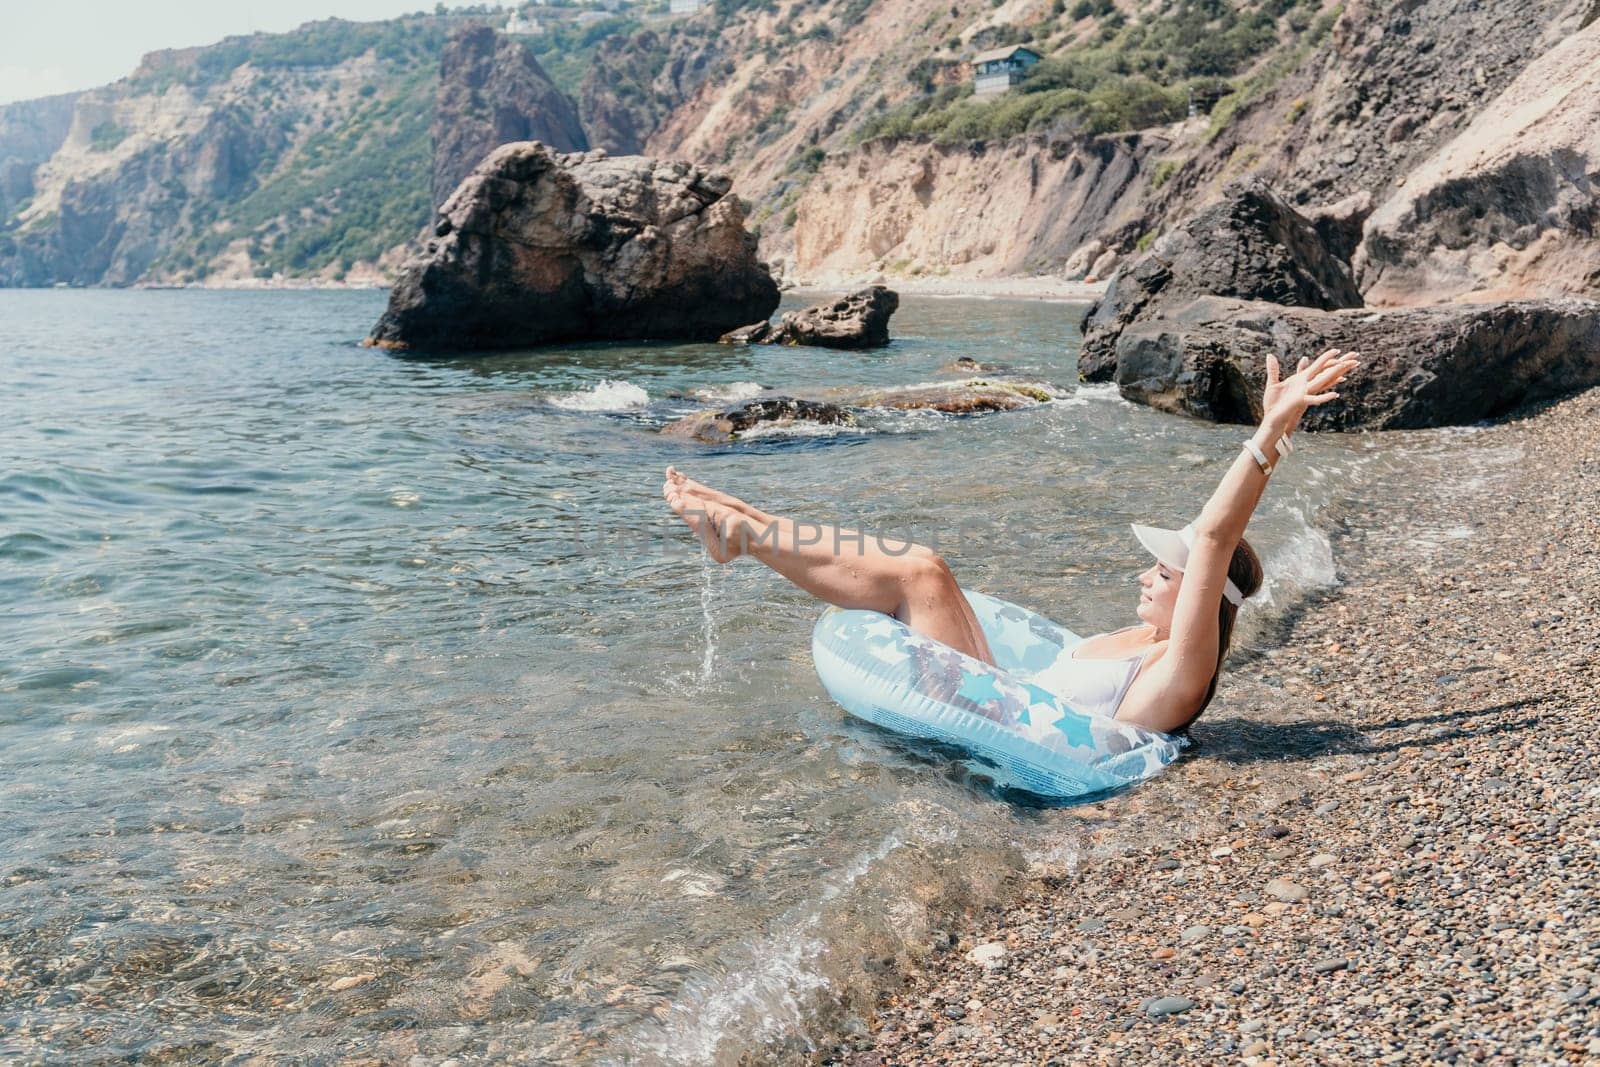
1305, 563
609, 395
796, 428
730, 393
1098, 391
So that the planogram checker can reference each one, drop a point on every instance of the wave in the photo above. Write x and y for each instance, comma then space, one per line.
798, 428
730, 393
609, 395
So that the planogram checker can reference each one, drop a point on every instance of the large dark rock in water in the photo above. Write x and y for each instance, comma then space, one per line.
537, 247
492, 92
1251, 244
1444, 365
859, 320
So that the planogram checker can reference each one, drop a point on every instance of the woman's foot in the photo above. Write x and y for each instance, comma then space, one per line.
717, 525
704, 492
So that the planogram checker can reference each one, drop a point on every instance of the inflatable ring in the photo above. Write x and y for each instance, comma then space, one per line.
1025, 737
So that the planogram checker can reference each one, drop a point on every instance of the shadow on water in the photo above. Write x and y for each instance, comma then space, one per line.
1254, 741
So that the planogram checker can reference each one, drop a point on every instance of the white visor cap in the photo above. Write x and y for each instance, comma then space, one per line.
1172, 548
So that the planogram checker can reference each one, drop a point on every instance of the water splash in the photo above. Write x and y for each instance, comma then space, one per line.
610, 395
708, 620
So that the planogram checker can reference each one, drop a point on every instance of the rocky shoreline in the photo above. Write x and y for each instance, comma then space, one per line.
1398, 865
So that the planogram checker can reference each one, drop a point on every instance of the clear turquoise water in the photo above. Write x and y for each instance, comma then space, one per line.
332, 720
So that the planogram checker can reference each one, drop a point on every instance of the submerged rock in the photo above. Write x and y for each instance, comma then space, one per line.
1436, 366
536, 247
839, 407
717, 427
859, 320
953, 398
1251, 245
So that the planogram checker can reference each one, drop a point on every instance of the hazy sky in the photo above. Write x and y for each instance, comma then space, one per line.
53, 46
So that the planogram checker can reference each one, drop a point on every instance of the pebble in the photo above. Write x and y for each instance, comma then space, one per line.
1285, 890
1444, 912
339, 985
1194, 933
988, 955
1169, 1006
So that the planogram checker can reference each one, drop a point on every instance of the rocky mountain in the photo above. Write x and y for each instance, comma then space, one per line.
308, 155
493, 91
30, 133
304, 153
850, 129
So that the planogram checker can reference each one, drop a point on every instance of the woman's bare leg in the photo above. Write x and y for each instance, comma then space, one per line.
843, 567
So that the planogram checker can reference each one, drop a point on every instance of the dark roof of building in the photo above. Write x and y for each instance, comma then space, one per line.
1003, 53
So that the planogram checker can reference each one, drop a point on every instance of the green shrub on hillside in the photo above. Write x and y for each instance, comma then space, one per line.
1131, 76
106, 136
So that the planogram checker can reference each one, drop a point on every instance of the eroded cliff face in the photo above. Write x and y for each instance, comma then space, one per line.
1510, 207
1359, 112
320, 163
492, 91
1017, 207
30, 133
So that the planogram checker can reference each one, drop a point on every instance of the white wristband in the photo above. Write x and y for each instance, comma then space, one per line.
1283, 446
1259, 456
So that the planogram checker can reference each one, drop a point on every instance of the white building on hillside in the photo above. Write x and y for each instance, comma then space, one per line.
685, 7
523, 24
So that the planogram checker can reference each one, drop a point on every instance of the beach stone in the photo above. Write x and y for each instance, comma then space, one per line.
1328, 966
339, 985
1285, 890
1321, 859
538, 247
989, 954
1256, 1048
1327, 807
1168, 1006
1194, 933
1274, 833
1252, 1026
1091, 925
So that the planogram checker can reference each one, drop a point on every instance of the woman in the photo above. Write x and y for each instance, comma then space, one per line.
1159, 674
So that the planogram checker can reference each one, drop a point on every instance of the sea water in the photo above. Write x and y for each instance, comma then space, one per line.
363, 704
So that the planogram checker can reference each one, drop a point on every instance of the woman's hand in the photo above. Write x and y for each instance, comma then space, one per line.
1286, 400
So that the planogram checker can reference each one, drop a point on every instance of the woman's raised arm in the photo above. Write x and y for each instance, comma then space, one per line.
1183, 674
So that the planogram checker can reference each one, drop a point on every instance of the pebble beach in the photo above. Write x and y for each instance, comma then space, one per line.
1414, 879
